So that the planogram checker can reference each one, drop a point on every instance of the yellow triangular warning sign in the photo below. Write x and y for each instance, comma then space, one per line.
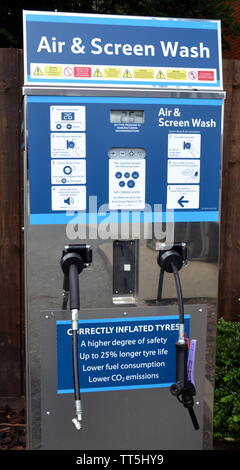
160, 75
127, 74
37, 71
97, 73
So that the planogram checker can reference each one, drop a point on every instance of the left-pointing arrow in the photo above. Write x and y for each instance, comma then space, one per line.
182, 201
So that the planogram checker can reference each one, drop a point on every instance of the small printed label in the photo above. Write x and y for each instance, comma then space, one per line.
53, 71
68, 198
143, 74
176, 75
126, 183
206, 75
184, 145
82, 72
183, 197
68, 171
67, 118
64, 145
112, 73
183, 171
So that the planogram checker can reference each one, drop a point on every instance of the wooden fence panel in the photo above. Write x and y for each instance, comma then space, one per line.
11, 319
229, 275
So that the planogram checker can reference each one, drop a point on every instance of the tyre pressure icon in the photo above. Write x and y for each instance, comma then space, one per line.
67, 170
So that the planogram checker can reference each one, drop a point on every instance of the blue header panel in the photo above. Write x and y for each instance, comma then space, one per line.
69, 49
93, 158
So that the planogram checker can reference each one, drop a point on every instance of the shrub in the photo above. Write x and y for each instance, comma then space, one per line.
226, 416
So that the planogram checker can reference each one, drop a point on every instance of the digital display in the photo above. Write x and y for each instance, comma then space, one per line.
67, 116
126, 116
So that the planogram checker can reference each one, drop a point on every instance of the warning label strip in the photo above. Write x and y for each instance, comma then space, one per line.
123, 73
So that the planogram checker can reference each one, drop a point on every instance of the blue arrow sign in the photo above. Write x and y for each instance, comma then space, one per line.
182, 201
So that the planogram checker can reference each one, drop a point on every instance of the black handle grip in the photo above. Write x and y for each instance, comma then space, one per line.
181, 362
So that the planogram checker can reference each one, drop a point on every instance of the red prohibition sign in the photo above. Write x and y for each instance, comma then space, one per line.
68, 71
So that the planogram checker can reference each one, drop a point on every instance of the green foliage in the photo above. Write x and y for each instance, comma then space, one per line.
226, 420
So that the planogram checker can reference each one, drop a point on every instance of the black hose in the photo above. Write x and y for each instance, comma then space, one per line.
181, 357
179, 294
193, 418
74, 287
181, 362
160, 285
74, 304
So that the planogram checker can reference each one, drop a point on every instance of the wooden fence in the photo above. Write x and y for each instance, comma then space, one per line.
11, 285
11, 209
229, 278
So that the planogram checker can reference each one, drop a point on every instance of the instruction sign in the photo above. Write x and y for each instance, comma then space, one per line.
126, 183
67, 118
129, 154
117, 354
68, 198
68, 145
70, 48
183, 144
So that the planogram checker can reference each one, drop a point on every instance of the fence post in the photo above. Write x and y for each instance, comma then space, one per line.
11, 318
229, 276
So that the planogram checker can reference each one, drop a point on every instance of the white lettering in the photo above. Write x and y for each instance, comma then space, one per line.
204, 51
94, 44
194, 52
55, 46
44, 44
118, 48
173, 49
184, 51
169, 48
170, 123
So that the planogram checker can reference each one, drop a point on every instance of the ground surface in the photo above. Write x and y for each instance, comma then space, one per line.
12, 429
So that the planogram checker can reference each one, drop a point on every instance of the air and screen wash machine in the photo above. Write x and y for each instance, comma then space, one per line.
122, 163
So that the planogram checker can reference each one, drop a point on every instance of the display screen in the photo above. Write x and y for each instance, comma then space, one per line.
127, 116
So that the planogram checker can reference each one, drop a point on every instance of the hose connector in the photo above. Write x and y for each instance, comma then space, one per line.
74, 319
77, 421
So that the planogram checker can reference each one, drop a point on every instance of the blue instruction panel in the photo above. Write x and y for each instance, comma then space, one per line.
79, 49
117, 354
98, 156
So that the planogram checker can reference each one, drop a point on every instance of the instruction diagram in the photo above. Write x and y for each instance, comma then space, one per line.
184, 145
64, 145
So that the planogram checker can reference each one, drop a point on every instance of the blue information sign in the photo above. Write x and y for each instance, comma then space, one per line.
92, 157
117, 354
69, 49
